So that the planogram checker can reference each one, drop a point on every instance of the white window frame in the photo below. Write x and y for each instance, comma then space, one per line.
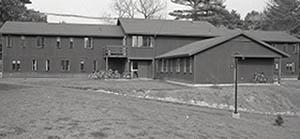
88, 42
23, 41
58, 43
81, 65
34, 65
184, 65
9, 42
14, 65
162, 65
178, 65
47, 65
191, 64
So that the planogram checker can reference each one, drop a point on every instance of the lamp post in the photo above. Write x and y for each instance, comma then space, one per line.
235, 72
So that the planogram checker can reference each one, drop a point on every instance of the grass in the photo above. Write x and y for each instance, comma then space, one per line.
50, 109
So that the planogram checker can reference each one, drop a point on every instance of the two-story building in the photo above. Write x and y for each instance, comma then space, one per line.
133, 45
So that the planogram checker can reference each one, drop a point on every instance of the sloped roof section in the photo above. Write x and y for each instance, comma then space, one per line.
274, 36
166, 27
267, 36
200, 46
34, 28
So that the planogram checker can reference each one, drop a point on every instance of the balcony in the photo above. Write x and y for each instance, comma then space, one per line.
116, 51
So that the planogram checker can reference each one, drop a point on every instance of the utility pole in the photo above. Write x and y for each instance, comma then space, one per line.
235, 72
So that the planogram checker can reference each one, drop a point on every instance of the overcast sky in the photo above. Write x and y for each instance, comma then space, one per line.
103, 7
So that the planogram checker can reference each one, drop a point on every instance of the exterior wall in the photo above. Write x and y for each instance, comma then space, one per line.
293, 50
164, 44
215, 65
55, 55
161, 44
173, 75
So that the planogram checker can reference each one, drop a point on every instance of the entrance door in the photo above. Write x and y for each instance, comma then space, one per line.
141, 69
134, 69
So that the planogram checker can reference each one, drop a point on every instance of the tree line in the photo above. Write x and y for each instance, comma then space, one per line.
279, 15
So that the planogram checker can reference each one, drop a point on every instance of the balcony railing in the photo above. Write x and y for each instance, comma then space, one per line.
116, 51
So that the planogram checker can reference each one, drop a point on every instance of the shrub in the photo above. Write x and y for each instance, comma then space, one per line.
278, 121
110, 74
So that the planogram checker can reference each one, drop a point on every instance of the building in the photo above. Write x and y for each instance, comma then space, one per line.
133, 45
211, 61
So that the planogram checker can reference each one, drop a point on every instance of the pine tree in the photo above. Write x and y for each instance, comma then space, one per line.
283, 15
15, 10
201, 10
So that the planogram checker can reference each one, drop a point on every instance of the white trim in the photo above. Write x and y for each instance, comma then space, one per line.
223, 85
289, 79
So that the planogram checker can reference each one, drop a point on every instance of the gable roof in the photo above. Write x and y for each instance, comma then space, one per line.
200, 46
38, 28
166, 27
267, 36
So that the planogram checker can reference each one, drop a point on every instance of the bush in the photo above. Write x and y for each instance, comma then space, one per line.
278, 121
110, 74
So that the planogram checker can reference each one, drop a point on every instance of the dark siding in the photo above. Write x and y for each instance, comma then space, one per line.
145, 69
164, 44
174, 75
216, 64
294, 57
55, 55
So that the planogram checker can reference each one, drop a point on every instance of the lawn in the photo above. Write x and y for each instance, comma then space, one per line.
263, 99
70, 108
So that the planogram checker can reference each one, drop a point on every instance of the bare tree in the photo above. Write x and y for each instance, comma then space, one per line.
125, 8
150, 8
144, 8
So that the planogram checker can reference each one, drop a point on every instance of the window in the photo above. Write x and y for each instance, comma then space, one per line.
296, 48
9, 42
142, 41
178, 65
16, 65
88, 42
58, 43
13, 65
147, 42
290, 67
184, 65
167, 65
276, 66
191, 65
95, 65
47, 65
40, 42
71, 43
157, 66
162, 65
82, 65
23, 41
0, 51
171, 65
34, 65
65, 65
124, 40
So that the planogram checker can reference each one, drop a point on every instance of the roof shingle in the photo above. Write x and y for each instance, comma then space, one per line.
166, 27
200, 46
34, 28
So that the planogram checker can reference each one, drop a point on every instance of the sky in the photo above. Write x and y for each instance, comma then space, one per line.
100, 8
